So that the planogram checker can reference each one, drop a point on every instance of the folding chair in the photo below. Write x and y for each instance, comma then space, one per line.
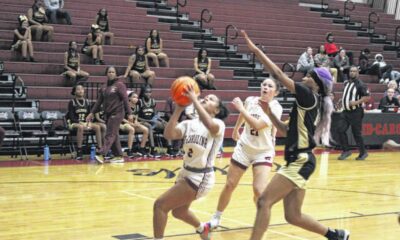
12, 136
31, 128
53, 123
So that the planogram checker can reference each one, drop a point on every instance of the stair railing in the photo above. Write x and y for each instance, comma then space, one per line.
92, 89
373, 18
396, 38
156, 5
289, 68
348, 6
204, 19
179, 4
230, 26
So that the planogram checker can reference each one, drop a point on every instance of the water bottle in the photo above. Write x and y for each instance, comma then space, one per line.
46, 153
92, 152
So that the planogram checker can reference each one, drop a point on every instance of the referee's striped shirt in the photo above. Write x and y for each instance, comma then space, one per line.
353, 91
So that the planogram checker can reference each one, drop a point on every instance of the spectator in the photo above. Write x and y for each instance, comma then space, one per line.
149, 117
154, 49
23, 39
93, 45
355, 93
37, 20
332, 49
363, 61
321, 59
138, 67
78, 110
342, 64
389, 100
202, 66
168, 111
306, 61
72, 64
104, 24
54, 10
115, 103
135, 126
380, 69
392, 85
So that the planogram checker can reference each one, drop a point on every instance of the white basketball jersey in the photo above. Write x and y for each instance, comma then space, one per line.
264, 139
199, 145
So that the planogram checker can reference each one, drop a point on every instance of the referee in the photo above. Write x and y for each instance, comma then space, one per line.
354, 95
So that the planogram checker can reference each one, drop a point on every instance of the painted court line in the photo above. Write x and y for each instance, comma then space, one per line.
224, 218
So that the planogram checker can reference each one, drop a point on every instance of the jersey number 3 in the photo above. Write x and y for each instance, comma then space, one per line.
190, 152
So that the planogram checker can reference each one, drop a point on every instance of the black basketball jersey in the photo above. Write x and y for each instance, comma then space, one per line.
140, 64
302, 123
147, 109
203, 64
78, 110
73, 60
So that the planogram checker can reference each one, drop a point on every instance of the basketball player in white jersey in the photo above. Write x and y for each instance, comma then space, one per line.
202, 138
255, 146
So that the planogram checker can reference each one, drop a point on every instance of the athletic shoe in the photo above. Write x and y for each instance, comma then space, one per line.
342, 234
99, 158
362, 156
79, 155
206, 234
381, 80
117, 159
214, 222
142, 152
344, 155
130, 153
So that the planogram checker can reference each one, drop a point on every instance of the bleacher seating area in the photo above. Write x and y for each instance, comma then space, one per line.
282, 27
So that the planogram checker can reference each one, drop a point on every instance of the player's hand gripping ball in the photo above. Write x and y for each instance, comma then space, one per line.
178, 90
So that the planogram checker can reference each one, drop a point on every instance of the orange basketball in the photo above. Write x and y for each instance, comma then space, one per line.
178, 88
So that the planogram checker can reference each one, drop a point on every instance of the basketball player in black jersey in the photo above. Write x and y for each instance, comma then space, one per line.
312, 98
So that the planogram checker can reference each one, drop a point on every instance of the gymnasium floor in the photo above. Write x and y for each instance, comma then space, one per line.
67, 199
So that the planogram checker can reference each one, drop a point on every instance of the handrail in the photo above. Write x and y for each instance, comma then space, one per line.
230, 26
288, 67
396, 36
347, 8
202, 18
155, 5
179, 4
92, 88
372, 21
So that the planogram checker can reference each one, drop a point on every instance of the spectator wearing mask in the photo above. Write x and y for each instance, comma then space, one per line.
306, 61
55, 11
321, 59
342, 64
381, 69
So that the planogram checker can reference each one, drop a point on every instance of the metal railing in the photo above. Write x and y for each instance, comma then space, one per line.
230, 26
204, 19
179, 4
348, 6
373, 18
289, 68
396, 37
